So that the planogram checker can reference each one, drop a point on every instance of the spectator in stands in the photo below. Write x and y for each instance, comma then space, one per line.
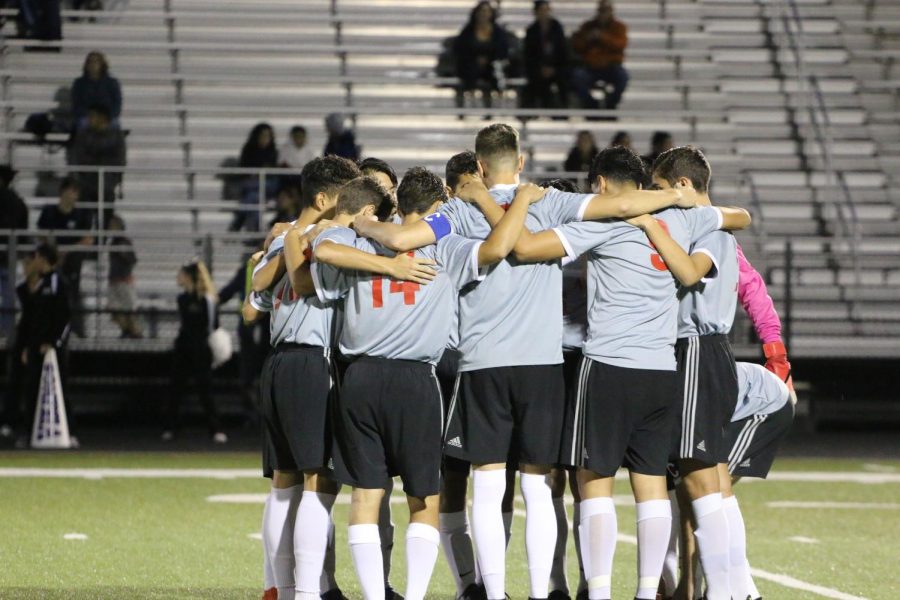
199, 317
258, 152
66, 216
96, 87
40, 20
13, 215
287, 204
100, 145
120, 294
480, 48
546, 61
582, 153
341, 141
601, 44
659, 143
44, 325
295, 152
621, 138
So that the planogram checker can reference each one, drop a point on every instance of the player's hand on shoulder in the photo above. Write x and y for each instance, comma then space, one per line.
360, 222
530, 191
255, 258
642, 222
687, 199
408, 267
470, 188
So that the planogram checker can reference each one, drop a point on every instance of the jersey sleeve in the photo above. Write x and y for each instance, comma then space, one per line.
458, 257
439, 224
581, 237
261, 301
754, 297
275, 248
459, 215
558, 208
703, 220
712, 245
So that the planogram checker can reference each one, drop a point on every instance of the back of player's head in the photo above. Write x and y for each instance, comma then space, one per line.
683, 162
460, 164
497, 146
361, 192
419, 190
372, 165
619, 164
325, 175
563, 185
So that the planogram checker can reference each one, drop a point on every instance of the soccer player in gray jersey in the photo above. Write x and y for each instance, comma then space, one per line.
510, 398
708, 378
389, 418
623, 413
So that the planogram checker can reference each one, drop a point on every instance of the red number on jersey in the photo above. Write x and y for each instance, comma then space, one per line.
286, 289
407, 288
655, 259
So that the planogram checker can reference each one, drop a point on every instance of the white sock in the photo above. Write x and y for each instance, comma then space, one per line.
739, 568
540, 531
279, 533
654, 524
507, 526
268, 573
487, 529
365, 547
327, 581
311, 541
558, 579
456, 539
386, 533
670, 565
599, 529
422, 543
713, 545
576, 536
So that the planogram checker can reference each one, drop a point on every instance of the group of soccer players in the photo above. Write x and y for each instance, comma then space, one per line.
429, 330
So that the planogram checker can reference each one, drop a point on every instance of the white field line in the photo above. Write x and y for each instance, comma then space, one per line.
74, 536
139, 473
783, 580
803, 540
879, 468
837, 505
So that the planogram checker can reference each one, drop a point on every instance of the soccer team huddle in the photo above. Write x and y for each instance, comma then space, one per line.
430, 330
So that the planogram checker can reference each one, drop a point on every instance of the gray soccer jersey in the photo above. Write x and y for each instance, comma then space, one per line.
514, 316
708, 307
760, 392
394, 319
632, 307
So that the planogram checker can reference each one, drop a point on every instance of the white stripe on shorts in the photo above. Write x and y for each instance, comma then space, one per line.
742, 444
576, 457
689, 401
451, 408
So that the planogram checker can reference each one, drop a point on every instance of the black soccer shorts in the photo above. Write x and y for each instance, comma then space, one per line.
707, 377
388, 422
754, 441
622, 417
507, 414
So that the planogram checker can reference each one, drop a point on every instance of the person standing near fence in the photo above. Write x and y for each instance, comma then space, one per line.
13, 215
199, 316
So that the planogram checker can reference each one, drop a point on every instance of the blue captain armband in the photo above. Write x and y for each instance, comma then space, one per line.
439, 224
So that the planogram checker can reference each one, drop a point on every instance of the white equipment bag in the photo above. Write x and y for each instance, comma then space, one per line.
220, 346
51, 426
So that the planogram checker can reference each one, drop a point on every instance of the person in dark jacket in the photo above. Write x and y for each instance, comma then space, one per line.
40, 20
44, 325
581, 156
479, 48
96, 87
13, 215
199, 317
120, 295
99, 145
341, 140
258, 152
546, 61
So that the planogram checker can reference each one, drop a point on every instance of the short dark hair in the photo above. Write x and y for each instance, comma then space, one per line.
361, 192
495, 141
325, 174
69, 183
419, 189
563, 185
460, 164
683, 161
379, 166
298, 129
659, 137
48, 252
619, 164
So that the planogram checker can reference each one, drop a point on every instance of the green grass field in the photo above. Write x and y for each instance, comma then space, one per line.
159, 537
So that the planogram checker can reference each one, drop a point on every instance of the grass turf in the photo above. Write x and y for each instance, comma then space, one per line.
161, 538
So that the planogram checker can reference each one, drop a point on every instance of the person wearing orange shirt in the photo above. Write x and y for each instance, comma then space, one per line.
600, 42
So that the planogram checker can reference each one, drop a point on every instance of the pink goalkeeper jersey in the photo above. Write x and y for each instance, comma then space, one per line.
756, 301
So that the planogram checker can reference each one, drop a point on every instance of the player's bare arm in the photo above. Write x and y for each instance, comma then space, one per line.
249, 313
683, 267
269, 275
399, 238
276, 230
734, 218
632, 203
402, 266
295, 248
510, 227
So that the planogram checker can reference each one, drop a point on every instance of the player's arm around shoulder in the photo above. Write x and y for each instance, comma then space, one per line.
734, 218
511, 226
682, 266
633, 203
344, 252
399, 238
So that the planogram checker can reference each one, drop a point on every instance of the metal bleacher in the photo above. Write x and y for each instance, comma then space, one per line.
795, 103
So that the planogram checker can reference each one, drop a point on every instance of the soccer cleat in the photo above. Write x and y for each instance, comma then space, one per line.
474, 592
334, 594
559, 595
390, 594
270, 594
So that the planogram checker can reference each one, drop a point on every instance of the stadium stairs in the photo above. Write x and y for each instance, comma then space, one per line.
796, 104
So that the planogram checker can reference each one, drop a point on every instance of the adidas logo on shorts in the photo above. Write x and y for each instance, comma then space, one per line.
702, 446
745, 464
331, 464
455, 442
